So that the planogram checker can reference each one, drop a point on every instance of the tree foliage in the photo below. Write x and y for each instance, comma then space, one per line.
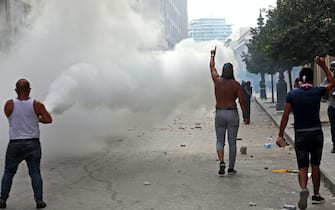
256, 59
295, 32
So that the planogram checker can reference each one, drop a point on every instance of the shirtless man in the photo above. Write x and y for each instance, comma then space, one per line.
227, 90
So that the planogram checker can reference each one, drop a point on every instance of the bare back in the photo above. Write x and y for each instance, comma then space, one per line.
226, 92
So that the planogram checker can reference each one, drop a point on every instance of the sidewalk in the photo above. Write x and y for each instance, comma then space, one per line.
328, 159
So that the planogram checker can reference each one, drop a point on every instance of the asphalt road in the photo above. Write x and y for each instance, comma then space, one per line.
168, 167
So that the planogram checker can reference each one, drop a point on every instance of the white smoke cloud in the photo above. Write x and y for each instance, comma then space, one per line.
93, 62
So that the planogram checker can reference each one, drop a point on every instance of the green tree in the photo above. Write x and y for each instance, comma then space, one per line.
256, 59
301, 30
295, 32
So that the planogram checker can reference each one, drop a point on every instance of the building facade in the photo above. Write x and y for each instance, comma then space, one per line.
172, 16
13, 15
206, 29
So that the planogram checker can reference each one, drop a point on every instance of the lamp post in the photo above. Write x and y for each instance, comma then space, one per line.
262, 87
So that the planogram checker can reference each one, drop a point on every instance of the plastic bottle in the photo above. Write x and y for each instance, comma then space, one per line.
291, 207
269, 144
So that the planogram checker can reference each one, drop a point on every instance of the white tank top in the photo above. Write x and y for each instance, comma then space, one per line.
23, 122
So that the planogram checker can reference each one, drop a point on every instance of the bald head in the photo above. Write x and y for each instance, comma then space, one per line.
22, 88
22, 84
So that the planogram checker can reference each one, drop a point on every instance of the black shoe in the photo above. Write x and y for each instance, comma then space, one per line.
3, 204
317, 199
222, 168
302, 204
333, 150
231, 171
41, 204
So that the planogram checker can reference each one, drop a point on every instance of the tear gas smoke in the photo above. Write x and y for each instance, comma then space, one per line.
95, 65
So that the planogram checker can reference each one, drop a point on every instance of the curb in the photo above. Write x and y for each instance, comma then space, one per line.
326, 178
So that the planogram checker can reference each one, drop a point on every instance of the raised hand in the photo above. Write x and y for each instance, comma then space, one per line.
213, 52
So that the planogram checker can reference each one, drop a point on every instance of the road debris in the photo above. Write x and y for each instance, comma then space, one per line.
284, 170
252, 204
290, 207
243, 150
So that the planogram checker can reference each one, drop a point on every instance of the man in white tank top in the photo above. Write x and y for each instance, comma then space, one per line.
24, 115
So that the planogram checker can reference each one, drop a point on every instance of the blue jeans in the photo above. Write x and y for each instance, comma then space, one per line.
30, 151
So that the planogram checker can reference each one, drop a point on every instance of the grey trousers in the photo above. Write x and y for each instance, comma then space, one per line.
227, 121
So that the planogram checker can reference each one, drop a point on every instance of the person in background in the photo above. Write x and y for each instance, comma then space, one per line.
247, 94
227, 120
331, 109
296, 83
24, 115
307, 128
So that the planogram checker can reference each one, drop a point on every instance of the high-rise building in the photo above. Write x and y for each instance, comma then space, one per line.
5, 24
206, 29
13, 14
171, 14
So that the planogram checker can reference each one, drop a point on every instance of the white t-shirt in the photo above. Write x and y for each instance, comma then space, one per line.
23, 122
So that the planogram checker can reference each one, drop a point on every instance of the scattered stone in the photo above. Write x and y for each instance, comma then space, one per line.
243, 150
291, 207
183, 145
198, 125
252, 204
266, 168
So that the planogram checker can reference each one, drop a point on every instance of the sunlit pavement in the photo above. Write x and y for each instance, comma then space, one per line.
172, 165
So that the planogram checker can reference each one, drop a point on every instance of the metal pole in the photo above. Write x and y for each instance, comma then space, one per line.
272, 89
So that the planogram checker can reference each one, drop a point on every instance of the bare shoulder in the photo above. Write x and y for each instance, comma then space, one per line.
9, 107
37, 102
236, 84
9, 102
38, 105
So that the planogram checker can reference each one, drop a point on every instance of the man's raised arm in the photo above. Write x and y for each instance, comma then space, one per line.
330, 80
214, 73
